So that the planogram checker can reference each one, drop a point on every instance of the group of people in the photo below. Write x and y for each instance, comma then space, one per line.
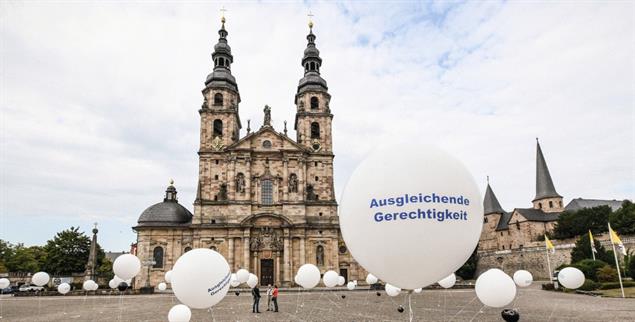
272, 298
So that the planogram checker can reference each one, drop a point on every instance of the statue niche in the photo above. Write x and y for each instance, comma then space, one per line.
310, 194
266, 238
293, 183
240, 183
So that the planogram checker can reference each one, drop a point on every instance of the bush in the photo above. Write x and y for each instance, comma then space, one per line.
590, 285
607, 274
590, 267
612, 285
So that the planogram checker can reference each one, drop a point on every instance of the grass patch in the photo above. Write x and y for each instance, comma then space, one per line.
616, 292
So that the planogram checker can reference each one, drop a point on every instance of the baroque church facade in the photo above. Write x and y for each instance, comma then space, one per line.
264, 200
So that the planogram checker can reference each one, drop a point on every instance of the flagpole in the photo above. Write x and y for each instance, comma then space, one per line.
592, 246
617, 264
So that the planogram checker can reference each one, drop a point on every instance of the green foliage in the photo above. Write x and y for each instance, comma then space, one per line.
590, 267
105, 269
571, 224
67, 252
623, 219
6, 251
630, 265
607, 274
582, 250
26, 259
612, 285
590, 285
468, 269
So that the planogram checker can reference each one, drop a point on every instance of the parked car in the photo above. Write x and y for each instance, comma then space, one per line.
30, 288
8, 290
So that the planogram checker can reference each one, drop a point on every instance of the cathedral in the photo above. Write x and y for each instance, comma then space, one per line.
264, 200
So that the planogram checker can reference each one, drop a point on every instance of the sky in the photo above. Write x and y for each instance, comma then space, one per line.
99, 100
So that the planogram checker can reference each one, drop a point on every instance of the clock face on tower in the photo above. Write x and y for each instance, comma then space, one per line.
316, 145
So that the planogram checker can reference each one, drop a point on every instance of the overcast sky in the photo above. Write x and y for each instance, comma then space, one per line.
99, 100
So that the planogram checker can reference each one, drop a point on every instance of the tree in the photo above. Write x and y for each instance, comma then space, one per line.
607, 274
6, 252
571, 224
26, 259
105, 269
623, 219
590, 268
582, 250
68, 252
468, 269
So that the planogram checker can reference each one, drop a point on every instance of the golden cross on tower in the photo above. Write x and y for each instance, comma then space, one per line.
222, 14
310, 15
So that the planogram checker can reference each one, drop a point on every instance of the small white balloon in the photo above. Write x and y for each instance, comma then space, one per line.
168, 276
88, 285
40, 278
233, 281
162, 286
113, 283
308, 276
341, 280
330, 278
371, 279
4, 283
418, 290
571, 277
126, 266
523, 278
242, 275
350, 286
355, 281
63, 288
200, 278
179, 313
94, 286
252, 281
448, 282
392, 290
494, 288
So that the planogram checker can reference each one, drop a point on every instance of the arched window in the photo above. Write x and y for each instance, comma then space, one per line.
315, 130
267, 192
550, 204
187, 249
319, 255
157, 256
213, 248
315, 103
218, 128
218, 99
540, 205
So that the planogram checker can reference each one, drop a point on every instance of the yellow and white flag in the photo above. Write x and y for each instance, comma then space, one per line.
549, 245
615, 239
592, 242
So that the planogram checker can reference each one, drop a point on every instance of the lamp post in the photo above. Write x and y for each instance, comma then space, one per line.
149, 263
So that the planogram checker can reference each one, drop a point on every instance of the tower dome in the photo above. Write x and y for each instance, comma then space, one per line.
166, 213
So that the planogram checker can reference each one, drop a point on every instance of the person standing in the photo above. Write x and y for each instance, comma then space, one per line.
274, 298
255, 292
269, 290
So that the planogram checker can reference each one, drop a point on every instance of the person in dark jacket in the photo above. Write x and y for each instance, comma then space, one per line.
255, 292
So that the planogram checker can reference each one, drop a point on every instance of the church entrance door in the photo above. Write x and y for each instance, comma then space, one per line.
266, 272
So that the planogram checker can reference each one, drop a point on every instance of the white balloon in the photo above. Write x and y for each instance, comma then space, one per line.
418, 290
371, 279
392, 290
295, 279
40, 278
63, 288
118, 279
494, 288
179, 313
571, 277
88, 285
416, 198
350, 286
341, 280
233, 281
200, 278
242, 275
162, 286
523, 278
448, 282
330, 278
355, 281
4, 283
252, 281
168, 276
126, 266
94, 286
308, 276
113, 283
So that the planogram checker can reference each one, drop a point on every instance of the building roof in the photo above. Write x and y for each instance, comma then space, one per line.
532, 214
222, 75
312, 81
580, 203
490, 202
166, 213
503, 223
544, 184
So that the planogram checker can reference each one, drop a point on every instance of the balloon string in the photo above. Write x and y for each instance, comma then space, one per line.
410, 305
462, 308
477, 312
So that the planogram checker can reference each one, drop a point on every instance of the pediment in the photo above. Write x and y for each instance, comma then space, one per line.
257, 141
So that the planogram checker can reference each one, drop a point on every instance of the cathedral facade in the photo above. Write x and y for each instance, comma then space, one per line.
264, 200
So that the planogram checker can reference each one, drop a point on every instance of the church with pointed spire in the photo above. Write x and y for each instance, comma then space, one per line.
264, 200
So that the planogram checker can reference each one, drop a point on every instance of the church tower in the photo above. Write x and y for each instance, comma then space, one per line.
220, 122
547, 199
313, 117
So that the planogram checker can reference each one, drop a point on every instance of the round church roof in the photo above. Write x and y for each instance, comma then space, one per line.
166, 213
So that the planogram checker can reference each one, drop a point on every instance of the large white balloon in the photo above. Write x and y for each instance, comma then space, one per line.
494, 288
571, 277
523, 278
252, 281
418, 290
88, 285
392, 290
371, 279
113, 283
179, 313
126, 266
162, 286
40, 278
242, 275
350, 286
168, 276
233, 281
308, 276
63, 288
448, 282
200, 278
417, 198
330, 278
4, 283
341, 280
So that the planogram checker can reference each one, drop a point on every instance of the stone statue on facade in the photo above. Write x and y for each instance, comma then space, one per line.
267, 111
240, 183
310, 194
222, 194
293, 183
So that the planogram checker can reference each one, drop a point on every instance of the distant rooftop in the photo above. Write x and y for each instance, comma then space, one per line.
580, 203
